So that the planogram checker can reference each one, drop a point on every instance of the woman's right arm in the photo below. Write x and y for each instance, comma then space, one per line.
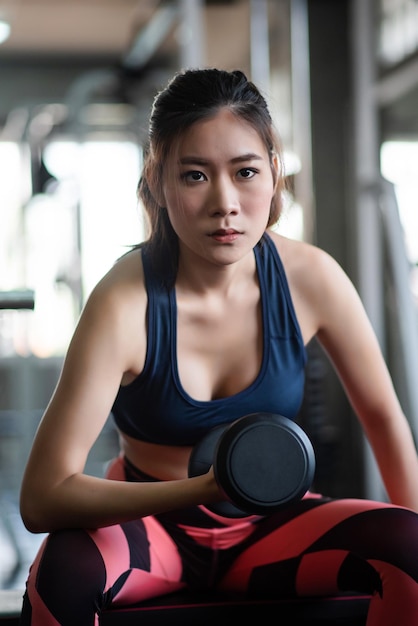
55, 492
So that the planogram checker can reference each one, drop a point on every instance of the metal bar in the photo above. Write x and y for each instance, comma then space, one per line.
259, 44
367, 223
192, 37
18, 299
301, 112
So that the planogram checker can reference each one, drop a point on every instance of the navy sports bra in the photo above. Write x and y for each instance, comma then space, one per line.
155, 407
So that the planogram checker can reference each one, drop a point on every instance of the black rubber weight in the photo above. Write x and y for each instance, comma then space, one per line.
262, 462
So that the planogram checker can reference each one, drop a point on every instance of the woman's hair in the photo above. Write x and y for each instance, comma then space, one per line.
191, 96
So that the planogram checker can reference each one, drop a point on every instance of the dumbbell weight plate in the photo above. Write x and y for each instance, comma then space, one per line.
263, 462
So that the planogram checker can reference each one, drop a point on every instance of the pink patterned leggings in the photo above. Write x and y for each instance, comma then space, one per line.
317, 546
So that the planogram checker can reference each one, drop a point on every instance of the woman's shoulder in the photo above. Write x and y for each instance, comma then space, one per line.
125, 273
320, 288
312, 273
115, 313
302, 259
122, 286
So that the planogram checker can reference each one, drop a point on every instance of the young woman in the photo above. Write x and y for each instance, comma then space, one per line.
160, 343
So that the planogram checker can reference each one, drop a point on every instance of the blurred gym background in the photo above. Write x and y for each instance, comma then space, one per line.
77, 78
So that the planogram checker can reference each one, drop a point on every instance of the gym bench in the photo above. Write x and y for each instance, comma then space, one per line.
188, 609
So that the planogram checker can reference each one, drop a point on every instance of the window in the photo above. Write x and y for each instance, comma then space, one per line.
60, 242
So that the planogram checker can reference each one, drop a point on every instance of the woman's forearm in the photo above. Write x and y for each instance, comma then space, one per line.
83, 501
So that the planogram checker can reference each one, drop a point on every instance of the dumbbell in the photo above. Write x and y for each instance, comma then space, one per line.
261, 461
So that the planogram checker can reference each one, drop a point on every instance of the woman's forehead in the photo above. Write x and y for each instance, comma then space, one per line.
223, 132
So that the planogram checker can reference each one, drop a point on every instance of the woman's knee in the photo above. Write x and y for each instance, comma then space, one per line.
70, 558
66, 580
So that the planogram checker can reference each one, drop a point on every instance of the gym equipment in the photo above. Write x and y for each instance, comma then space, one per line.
190, 608
262, 462
17, 299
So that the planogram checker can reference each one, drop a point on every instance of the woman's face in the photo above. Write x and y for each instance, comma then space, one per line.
217, 188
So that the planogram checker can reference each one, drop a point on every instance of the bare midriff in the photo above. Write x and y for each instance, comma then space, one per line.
160, 461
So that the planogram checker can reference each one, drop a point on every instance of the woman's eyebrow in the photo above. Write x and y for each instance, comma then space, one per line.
195, 160
249, 156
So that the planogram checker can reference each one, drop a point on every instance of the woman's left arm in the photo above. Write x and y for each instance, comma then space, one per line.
329, 307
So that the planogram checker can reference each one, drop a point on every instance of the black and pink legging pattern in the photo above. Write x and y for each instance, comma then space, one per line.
317, 546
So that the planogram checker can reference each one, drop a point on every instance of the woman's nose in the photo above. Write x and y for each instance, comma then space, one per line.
224, 198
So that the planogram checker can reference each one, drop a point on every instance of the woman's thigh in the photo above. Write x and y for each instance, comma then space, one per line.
326, 547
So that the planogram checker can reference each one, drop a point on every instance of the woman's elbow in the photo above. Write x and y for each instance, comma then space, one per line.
33, 514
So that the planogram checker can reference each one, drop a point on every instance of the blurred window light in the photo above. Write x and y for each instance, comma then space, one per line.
397, 30
109, 214
290, 223
399, 165
61, 242
4, 31
14, 190
292, 163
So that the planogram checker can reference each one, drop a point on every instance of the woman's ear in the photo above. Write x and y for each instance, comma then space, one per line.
276, 171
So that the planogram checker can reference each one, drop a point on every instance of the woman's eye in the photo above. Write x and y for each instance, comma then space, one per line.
193, 177
247, 172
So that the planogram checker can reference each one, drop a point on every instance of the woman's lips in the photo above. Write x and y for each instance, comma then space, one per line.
227, 235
